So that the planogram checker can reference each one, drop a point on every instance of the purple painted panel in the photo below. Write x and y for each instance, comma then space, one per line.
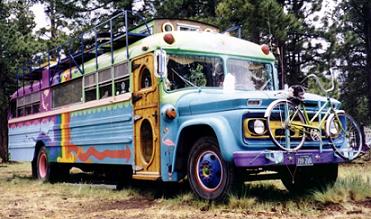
35, 87
45, 79
269, 158
46, 98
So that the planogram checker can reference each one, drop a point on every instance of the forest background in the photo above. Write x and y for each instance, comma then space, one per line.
317, 36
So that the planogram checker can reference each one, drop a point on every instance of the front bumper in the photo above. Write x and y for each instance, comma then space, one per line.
275, 158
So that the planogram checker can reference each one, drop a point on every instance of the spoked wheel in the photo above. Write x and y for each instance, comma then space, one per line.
344, 135
284, 122
210, 177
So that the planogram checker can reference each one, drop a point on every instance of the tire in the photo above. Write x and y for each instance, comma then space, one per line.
46, 171
213, 180
344, 135
278, 126
42, 165
301, 180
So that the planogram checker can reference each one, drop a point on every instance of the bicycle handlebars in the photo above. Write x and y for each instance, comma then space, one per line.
319, 82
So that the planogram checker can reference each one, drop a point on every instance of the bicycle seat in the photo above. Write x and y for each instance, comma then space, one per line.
296, 92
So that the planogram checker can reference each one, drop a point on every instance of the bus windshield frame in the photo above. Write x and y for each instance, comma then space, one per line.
187, 71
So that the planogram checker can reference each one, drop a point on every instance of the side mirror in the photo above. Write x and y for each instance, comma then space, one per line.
161, 69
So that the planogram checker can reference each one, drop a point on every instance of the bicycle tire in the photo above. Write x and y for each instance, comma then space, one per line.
286, 137
346, 140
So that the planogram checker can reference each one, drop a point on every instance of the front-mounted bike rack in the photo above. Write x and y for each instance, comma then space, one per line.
103, 38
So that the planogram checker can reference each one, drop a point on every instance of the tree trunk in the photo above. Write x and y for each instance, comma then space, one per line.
52, 17
368, 43
3, 135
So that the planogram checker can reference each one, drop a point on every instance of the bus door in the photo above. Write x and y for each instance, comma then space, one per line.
145, 100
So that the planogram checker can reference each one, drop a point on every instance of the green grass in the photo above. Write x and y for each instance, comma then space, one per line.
351, 188
353, 185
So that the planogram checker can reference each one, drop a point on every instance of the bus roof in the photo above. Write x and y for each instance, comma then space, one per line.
185, 42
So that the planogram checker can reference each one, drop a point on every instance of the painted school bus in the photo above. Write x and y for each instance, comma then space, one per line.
171, 99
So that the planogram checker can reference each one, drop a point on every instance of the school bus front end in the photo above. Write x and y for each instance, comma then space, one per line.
214, 95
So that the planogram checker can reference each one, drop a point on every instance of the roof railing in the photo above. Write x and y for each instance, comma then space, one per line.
102, 38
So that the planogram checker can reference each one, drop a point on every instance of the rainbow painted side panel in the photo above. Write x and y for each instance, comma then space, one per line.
102, 134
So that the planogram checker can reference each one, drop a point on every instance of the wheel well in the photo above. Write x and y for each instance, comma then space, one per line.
187, 138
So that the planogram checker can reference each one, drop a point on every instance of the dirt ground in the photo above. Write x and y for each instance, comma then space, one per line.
23, 197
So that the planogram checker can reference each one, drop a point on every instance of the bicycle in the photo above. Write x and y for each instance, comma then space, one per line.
289, 125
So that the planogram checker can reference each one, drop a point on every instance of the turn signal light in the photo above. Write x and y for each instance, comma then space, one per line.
265, 49
171, 113
169, 38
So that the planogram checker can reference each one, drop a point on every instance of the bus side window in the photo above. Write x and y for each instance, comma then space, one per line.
20, 106
105, 90
34, 104
121, 86
36, 108
90, 87
13, 108
67, 93
121, 76
105, 83
90, 94
28, 109
20, 111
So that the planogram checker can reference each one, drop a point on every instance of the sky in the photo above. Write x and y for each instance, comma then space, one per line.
40, 17
42, 20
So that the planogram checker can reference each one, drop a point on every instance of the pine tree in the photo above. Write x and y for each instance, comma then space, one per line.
351, 50
16, 47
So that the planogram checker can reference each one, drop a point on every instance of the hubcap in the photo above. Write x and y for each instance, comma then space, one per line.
209, 171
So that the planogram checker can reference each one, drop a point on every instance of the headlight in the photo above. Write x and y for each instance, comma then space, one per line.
259, 127
254, 127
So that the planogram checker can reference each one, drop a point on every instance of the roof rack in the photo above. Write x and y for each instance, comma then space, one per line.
105, 37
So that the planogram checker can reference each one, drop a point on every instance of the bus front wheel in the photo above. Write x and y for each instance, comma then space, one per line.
210, 177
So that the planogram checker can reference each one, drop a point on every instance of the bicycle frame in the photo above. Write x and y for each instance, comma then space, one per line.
309, 122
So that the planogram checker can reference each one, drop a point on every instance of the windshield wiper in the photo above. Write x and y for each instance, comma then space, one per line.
184, 79
265, 84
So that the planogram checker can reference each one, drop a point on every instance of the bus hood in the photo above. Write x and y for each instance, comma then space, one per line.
215, 100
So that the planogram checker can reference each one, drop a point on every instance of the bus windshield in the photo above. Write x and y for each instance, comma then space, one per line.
207, 71
194, 71
249, 75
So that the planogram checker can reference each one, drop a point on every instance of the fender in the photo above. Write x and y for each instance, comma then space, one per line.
269, 108
222, 130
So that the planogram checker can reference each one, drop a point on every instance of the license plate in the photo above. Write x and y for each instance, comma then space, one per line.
304, 161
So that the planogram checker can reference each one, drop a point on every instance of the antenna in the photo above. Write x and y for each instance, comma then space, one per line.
279, 51
270, 36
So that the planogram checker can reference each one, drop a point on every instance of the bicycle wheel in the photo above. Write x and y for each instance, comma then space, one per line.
284, 122
344, 135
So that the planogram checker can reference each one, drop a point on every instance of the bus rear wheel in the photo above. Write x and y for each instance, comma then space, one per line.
210, 177
42, 165
45, 171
